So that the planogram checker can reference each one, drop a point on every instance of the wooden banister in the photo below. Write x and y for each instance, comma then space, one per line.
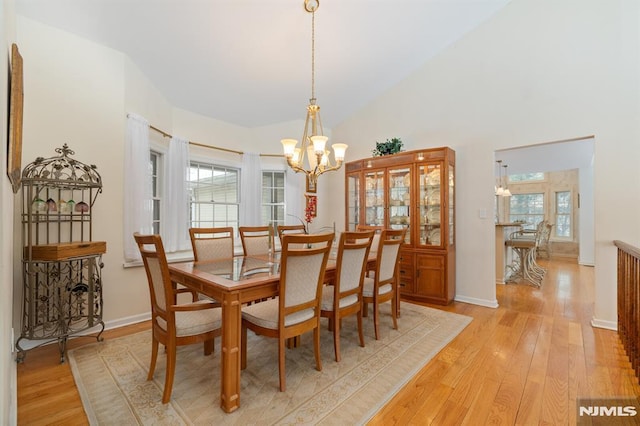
629, 301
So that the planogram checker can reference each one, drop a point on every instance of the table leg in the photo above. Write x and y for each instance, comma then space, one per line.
230, 355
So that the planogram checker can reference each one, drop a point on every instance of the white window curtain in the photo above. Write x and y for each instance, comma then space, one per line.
175, 222
137, 185
294, 197
251, 190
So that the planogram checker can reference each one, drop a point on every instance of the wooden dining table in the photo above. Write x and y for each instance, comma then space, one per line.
232, 282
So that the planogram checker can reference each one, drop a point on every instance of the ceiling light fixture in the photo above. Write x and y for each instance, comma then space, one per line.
499, 189
312, 158
506, 192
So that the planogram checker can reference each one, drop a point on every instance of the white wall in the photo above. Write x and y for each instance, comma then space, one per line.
8, 389
539, 70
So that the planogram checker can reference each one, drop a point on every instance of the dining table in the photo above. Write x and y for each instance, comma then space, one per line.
234, 282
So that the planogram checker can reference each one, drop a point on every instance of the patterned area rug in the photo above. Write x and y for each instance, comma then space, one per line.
111, 375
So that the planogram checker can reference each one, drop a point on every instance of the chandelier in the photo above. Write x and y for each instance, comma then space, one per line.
499, 189
312, 158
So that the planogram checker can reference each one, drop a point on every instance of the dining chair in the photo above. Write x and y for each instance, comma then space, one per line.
290, 229
211, 243
344, 297
173, 324
383, 287
256, 239
377, 229
296, 309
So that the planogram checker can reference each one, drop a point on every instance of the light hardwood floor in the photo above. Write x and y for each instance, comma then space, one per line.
525, 363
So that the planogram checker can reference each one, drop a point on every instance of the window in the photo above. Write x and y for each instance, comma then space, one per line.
154, 167
527, 208
526, 177
273, 204
563, 214
214, 194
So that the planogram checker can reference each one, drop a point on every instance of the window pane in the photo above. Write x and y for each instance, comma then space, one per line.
273, 198
154, 160
524, 177
563, 202
527, 208
156, 210
563, 214
563, 226
214, 193
267, 180
279, 196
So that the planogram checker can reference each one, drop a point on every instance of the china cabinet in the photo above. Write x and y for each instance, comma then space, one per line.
62, 284
413, 190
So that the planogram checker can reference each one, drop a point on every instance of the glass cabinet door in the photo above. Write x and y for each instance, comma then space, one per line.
374, 201
353, 201
429, 204
400, 199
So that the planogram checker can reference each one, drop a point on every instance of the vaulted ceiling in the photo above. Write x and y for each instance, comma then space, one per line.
248, 62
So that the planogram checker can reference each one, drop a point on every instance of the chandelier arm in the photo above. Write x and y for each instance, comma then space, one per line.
331, 168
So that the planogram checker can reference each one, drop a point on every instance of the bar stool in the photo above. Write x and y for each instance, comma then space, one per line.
524, 266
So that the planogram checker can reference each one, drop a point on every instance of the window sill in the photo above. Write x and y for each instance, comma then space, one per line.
181, 256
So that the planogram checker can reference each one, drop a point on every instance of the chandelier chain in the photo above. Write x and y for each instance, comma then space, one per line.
313, 54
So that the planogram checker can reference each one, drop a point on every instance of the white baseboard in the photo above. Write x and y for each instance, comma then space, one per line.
474, 301
609, 325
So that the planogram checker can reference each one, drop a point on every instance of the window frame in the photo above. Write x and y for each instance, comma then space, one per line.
158, 188
214, 164
570, 215
270, 220
541, 215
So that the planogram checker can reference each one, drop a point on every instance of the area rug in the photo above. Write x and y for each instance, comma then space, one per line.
111, 375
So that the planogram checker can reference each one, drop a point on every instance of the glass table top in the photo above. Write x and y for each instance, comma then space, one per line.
241, 268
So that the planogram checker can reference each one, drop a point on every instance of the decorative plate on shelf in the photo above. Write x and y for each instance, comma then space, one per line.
432, 178
433, 196
433, 216
434, 237
407, 180
369, 183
